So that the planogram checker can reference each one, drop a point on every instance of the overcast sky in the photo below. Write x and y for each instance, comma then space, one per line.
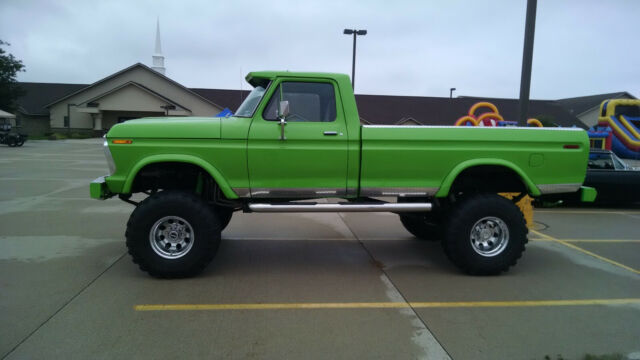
420, 48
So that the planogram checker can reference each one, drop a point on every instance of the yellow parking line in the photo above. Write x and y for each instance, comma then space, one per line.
601, 240
621, 212
384, 305
271, 306
586, 252
591, 240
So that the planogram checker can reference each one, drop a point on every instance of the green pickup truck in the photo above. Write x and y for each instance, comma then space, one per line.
297, 136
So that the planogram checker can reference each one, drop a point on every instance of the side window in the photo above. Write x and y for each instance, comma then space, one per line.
311, 102
601, 161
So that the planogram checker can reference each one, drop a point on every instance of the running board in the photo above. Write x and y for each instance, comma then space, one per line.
341, 207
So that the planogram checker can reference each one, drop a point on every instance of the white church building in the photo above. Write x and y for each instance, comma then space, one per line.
134, 92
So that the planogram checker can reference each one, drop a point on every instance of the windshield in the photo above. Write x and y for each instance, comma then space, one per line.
619, 164
249, 104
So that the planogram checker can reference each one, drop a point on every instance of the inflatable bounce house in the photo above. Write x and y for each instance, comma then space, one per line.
618, 128
491, 117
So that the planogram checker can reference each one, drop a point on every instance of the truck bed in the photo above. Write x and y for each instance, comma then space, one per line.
421, 159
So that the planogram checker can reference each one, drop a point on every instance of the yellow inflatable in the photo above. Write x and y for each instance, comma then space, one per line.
486, 118
491, 118
466, 120
476, 106
534, 122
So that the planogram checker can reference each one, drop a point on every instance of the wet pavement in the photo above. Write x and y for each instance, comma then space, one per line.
313, 286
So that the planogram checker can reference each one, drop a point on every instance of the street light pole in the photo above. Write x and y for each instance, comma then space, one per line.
451, 92
353, 62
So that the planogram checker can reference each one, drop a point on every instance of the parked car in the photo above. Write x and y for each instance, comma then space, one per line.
614, 179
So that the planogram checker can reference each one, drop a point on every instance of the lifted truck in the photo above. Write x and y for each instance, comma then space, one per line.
297, 136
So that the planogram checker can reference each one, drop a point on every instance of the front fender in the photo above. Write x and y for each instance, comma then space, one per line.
453, 174
190, 159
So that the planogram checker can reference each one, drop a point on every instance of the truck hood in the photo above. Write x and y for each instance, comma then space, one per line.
168, 128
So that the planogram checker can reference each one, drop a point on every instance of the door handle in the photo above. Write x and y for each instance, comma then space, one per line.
331, 133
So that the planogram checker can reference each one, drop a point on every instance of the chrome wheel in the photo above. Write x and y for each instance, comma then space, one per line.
171, 237
489, 236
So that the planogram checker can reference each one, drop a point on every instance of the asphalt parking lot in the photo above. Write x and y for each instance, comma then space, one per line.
297, 286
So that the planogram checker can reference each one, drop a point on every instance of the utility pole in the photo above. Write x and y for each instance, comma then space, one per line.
527, 58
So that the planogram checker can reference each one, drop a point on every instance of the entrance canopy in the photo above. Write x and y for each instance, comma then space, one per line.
6, 115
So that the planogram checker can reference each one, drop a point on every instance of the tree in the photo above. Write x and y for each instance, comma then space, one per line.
10, 91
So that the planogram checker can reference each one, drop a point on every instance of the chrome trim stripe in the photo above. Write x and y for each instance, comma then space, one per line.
467, 127
402, 192
242, 192
296, 192
385, 207
558, 188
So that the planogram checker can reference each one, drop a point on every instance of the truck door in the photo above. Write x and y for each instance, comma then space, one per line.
311, 160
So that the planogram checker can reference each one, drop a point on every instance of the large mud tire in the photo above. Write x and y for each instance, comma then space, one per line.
224, 215
486, 234
421, 226
173, 234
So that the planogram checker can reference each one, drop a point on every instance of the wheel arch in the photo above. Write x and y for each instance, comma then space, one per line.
179, 158
469, 165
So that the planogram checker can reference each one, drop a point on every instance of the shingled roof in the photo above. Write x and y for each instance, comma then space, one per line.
373, 109
228, 98
580, 104
388, 110
38, 95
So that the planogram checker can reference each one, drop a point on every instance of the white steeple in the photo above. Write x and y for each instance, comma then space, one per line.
158, 58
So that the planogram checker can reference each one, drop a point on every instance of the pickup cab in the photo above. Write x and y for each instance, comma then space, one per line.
297, 136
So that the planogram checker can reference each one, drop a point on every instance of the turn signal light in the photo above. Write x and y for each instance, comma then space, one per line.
571, 146
122, 141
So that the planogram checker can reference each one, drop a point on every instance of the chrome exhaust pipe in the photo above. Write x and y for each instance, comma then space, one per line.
342, 207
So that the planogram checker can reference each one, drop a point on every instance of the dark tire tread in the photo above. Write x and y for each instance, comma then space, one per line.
456, 243
224, 215
202, 218
420, 227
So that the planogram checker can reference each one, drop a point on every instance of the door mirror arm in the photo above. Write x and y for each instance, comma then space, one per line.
282, 124
282, 115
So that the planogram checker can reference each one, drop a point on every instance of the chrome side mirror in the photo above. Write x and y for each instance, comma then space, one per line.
283, 111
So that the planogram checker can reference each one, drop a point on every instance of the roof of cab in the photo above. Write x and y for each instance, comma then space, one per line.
254, 75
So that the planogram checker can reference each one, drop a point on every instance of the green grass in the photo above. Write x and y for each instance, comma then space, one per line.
80, 136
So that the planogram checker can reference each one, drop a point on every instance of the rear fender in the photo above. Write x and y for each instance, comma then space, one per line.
451, 177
